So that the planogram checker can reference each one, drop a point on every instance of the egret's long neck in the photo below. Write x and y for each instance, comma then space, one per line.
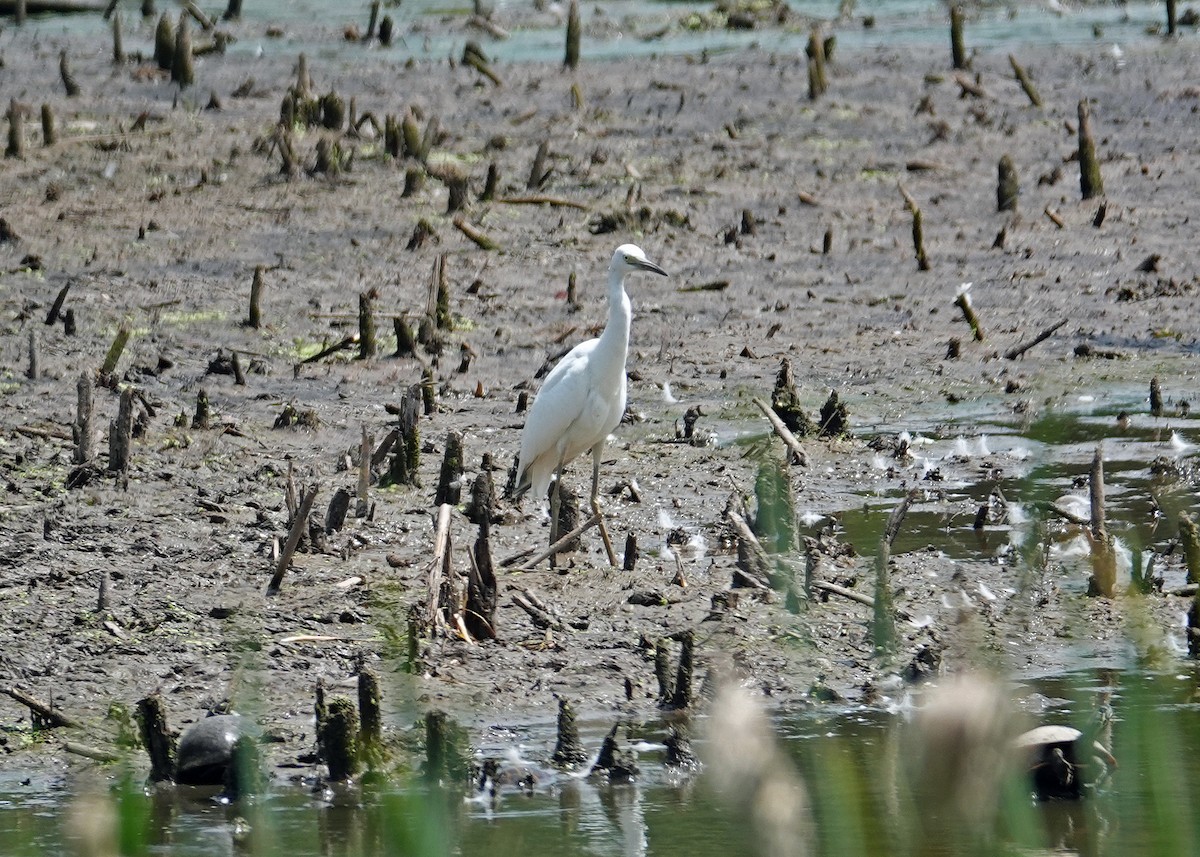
620, 313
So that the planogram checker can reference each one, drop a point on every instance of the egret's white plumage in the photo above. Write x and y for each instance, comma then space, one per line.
583, 397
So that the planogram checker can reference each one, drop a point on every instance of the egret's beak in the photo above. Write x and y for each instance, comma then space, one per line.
647, 265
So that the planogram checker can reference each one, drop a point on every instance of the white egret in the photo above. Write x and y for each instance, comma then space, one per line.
583, 399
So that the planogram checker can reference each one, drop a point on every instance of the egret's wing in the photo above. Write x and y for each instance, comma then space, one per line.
558, 404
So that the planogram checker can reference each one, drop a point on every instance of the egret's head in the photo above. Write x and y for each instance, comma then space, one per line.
630, 257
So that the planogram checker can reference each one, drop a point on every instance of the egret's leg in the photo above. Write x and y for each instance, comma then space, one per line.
555, 504
597, 453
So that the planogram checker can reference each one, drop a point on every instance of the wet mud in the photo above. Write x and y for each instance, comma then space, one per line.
784, 226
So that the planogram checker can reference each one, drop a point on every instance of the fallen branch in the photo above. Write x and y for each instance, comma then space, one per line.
785, 434
541, 615
47, 713
474, 234
540, 199
866, 600
559, 545
90, 752
1014, 353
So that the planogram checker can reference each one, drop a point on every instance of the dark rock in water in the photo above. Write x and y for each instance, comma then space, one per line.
206, 750
1062, 761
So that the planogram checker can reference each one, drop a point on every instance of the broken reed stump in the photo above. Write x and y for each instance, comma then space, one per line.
32, 370
363, 505
816, 64
56, 307
164, 43
574, 36
1189, 536
1156, 399
620, 765
406, 346
1091, 184
233, 11
631, 554
785, 401
438, 302
1193, 626
109, 366
481, 509
918, 232
834, 418
479, 615
118, 53
406, 455
339, 507
474, 57
254, 317
157, 738
16, 131
449, 488
203, 416
1104, 556
1172, 24
963, 301
339, 734
370, 715
569, 752
883, 623
538, 171
958, 54
68, 79
1026, 83
681, 696
1007, 186
366, 327
372, 20
83, 430
120, 436
49, 131
491, 183
387, 30
445, 761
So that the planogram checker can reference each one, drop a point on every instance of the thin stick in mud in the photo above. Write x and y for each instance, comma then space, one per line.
299, 526
1016, 351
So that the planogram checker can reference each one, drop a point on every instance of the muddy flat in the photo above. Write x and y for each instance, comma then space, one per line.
782, 223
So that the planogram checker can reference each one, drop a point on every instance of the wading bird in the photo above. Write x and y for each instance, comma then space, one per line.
582, 400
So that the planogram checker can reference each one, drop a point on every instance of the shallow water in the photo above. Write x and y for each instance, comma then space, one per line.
622, 28
855, 765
